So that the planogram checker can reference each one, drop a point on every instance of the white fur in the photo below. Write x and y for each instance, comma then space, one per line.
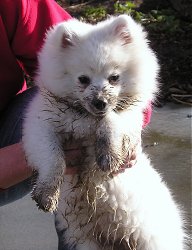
136, 202
132, 206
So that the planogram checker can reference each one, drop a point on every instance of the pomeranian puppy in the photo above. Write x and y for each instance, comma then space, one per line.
94, 83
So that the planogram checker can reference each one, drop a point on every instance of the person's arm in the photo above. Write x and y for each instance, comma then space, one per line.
14, 168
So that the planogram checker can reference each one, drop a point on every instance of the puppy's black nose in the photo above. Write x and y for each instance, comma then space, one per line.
99, 104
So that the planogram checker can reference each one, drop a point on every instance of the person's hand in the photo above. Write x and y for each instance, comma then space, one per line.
131, 159
75, 153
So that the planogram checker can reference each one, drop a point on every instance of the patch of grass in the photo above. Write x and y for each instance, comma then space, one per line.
94, 14
125, 7
164, 20
160, 20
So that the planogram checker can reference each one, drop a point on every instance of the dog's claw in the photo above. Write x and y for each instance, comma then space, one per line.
46, 201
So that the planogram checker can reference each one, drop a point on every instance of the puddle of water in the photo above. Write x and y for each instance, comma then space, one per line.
154, 138
171, 156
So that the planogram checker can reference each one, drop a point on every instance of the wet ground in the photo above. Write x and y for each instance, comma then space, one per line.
167, 141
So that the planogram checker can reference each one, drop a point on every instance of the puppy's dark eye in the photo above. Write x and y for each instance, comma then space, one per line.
85, 80
113, 79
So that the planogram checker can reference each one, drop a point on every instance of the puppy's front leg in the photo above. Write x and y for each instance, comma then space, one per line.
44, 154
109, 139
118, 134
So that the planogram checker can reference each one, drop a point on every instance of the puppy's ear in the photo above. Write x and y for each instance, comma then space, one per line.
121, 28
66, 35
68, 39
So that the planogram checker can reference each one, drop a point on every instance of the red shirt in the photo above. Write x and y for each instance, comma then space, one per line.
23, 24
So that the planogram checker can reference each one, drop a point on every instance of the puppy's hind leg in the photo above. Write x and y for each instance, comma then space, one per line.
47, 189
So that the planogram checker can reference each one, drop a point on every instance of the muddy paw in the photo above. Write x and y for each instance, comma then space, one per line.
46, 199
108, 162
104, 162
104, 154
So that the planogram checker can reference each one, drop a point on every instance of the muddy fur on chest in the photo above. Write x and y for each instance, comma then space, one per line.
87, 204
108, 139
101, 211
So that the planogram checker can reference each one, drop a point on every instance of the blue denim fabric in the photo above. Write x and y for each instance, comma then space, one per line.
11, 121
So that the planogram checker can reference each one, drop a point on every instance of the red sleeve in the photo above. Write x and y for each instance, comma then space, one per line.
35, 18
147, 115
23, 24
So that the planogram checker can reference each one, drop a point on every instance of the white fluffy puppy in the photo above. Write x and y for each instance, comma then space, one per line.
94, 83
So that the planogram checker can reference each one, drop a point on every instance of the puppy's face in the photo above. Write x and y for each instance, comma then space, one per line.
98, 80
98, 94
99, 67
